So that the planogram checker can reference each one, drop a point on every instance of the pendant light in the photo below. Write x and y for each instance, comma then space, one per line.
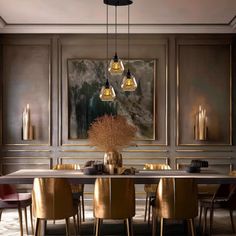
116, 66
107, 93
129, 82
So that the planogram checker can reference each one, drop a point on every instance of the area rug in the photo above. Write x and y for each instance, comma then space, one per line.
9, 226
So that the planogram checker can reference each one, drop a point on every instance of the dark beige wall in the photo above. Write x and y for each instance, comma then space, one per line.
191, 70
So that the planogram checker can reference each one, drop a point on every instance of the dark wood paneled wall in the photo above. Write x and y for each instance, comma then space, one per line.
191, 69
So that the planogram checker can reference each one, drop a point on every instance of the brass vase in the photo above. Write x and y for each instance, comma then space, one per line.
112, 161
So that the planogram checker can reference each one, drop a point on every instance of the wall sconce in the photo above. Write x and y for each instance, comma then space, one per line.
27, 128
200, 126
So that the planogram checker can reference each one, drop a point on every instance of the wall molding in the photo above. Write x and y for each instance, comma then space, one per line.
233, 23
224, 28
2, 23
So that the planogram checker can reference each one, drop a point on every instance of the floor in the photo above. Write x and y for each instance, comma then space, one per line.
9, 225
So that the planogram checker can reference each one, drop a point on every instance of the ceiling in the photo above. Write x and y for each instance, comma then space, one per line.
89, 16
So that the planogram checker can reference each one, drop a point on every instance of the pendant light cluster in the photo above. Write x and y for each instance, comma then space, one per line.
116, 67
129, 82
107, 93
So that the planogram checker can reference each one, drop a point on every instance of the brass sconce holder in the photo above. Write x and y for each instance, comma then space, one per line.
200, 125
27, 128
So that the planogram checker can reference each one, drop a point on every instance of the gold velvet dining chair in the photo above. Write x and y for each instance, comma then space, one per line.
52, 200
150, 189
10, 199
77, 189
114, 198
175, 199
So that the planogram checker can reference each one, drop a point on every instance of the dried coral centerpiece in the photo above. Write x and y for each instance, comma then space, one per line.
110, 134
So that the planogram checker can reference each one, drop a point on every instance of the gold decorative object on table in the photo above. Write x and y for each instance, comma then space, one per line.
110, 134
200, 125
232, 173
27, 128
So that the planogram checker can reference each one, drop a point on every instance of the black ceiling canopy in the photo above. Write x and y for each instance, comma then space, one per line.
118, 2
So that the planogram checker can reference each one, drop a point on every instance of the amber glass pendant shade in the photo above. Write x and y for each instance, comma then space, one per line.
107, 93
116, 66
129, 82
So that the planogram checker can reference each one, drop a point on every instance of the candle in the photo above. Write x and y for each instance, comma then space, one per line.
200, 124
27, 129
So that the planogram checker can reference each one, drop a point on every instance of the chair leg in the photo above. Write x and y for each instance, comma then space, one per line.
154, 222
94, 225
1, 210
26, 221
205, 220
149, 209
129, 225
200, 217
75, 226
211, 220
20, 220
78, 220
98, 226
31, 219
67, 227
161, 226
232, 220
145, 211
80, 212
83, 211
45, 225
37, 227
192, 226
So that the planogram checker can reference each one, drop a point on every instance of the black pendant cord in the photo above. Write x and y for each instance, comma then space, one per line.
128, 34
107, 82
116, 29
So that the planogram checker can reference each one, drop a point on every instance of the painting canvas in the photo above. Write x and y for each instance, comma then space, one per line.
85, 80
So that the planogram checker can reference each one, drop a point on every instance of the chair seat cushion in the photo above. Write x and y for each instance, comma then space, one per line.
16, 197
13, 200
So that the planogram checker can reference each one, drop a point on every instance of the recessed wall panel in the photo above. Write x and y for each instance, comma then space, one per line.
26, 80
204, 83
93, 49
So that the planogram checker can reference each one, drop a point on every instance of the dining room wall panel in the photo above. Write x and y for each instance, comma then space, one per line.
32, 66
204, 79
94, 48
26, 80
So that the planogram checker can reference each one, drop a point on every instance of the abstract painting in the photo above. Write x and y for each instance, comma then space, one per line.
85, 80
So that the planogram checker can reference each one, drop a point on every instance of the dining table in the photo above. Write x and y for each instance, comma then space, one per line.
26, 176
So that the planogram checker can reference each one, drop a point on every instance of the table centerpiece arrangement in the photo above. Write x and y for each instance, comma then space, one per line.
111, 134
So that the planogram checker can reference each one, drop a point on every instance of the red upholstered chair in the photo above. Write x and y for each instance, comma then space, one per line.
10, 199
